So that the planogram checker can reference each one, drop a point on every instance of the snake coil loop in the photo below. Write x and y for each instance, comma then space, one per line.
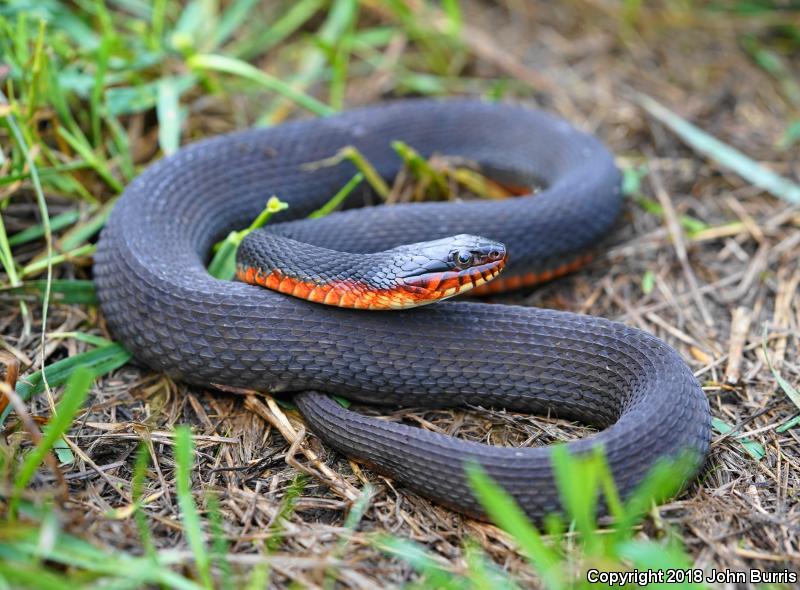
164, 307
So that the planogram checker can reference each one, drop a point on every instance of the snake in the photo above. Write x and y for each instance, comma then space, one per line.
160, 302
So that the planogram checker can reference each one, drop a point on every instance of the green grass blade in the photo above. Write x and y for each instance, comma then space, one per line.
452, 9
50, 172
482, 573
64, 291
285, 511
435, 576
137, 487
338, 56
120, 570
41, 202
338, 198
44, 264
790, 136
354, 517
6, 257
126, 100
169, 118
157, 20
650, 555
259, 577
789, 424
223, 264
229, 65
664, 480
31, 575
578, 481
78, 236
198, 18
121, 147
421, 169
232, 19
73, 398
98, 361
787, 387
361, 163
34, 232
294, 17
724, 154
96, 105
340, 18
692, 225
184, 459
507, 514
84, 150
92, 339
219, 546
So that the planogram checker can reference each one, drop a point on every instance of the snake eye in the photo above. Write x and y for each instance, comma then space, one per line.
464, 258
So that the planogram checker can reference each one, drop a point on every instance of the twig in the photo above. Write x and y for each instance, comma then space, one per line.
785, 295
679, 243
740, 326
275, 416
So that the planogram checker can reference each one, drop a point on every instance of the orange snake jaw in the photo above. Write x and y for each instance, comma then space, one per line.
443, 285
353, 294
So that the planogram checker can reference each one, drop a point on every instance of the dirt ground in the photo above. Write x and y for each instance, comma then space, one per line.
721, 287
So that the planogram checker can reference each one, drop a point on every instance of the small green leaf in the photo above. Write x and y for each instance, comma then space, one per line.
632, 180
223, 264
754, 449
63, 452
648, 282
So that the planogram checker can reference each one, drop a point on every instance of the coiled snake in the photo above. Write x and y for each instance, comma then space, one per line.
161, 303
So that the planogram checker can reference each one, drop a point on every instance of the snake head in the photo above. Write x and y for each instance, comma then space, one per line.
435, 270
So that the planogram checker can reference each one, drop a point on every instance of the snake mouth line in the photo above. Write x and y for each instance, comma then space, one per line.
355, 294
531, 279
437, 286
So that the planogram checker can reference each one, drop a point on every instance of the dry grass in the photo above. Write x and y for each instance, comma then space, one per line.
586, 62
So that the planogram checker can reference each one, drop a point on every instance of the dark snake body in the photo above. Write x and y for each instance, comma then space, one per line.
165, 308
